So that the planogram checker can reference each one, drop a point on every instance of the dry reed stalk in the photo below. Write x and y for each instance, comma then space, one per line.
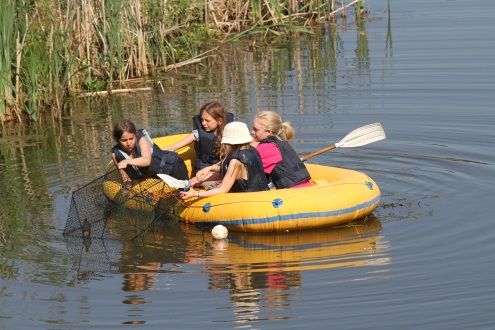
196, 59
141, 41
272, 12
87, 18
115, 91
244, 12
211, 8
19, 51
342, 8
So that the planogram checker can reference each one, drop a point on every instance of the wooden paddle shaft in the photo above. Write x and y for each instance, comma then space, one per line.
316, 153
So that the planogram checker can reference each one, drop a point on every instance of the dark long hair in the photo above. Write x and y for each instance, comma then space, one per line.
122, 126
217, 111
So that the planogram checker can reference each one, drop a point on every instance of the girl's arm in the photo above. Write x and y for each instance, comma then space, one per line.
182, 143
227, 183
125, 177
206, 173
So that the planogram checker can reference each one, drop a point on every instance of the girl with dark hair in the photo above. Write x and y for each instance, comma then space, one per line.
135, 154
207, 132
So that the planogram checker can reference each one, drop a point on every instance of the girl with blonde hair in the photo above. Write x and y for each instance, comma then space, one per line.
281, 164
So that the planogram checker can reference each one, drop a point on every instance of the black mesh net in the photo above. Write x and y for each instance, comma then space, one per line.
95, 255
166, 241
105, 209
104, 216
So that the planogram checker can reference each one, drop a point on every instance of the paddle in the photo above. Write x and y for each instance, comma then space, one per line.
359, 137
173, 182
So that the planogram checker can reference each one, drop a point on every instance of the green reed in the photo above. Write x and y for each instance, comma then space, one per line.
359, 8
32, 67
52, 50
7, 11
111, 26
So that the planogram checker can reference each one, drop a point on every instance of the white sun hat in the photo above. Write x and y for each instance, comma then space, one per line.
236, 133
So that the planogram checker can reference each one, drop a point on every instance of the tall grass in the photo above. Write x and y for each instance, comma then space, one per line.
52, 50
7, 11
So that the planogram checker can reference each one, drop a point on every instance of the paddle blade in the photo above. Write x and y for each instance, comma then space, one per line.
172, 182
362, 136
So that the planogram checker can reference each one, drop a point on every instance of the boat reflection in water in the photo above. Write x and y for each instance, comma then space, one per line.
259, 270
350, 245
262, 271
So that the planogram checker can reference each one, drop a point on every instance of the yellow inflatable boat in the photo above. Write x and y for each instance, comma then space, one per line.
336, 196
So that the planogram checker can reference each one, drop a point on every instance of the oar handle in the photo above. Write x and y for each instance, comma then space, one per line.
316, 153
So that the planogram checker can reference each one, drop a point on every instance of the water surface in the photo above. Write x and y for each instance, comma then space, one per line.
426, 258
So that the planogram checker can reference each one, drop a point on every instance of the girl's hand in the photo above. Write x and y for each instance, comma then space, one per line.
122, 164
202, 174
186, 194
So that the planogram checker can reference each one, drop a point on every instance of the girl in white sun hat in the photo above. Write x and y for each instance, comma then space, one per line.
240, 167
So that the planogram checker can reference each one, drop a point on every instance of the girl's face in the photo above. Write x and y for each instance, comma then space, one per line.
258, 132
209, 123
128, 141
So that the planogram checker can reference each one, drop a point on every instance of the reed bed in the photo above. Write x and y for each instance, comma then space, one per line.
54, 50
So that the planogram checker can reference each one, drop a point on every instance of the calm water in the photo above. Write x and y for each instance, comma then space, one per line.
425, 260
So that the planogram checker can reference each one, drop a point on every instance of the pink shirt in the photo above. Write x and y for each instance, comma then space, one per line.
270, 157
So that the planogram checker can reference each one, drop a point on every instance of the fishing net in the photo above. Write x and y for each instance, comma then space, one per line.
92, 256
167, 241
104, 208
104, 216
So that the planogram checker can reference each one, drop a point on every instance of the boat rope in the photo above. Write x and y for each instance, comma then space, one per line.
276, 201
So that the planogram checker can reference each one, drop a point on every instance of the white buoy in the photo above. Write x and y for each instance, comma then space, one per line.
219, 232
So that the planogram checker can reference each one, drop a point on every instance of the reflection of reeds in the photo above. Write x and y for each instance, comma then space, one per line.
64, 47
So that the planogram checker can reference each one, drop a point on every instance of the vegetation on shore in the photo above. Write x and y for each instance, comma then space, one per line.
52, 50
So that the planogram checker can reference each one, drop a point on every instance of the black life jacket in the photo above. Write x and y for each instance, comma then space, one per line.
256, 176
162, 161
290, 171
205, 147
